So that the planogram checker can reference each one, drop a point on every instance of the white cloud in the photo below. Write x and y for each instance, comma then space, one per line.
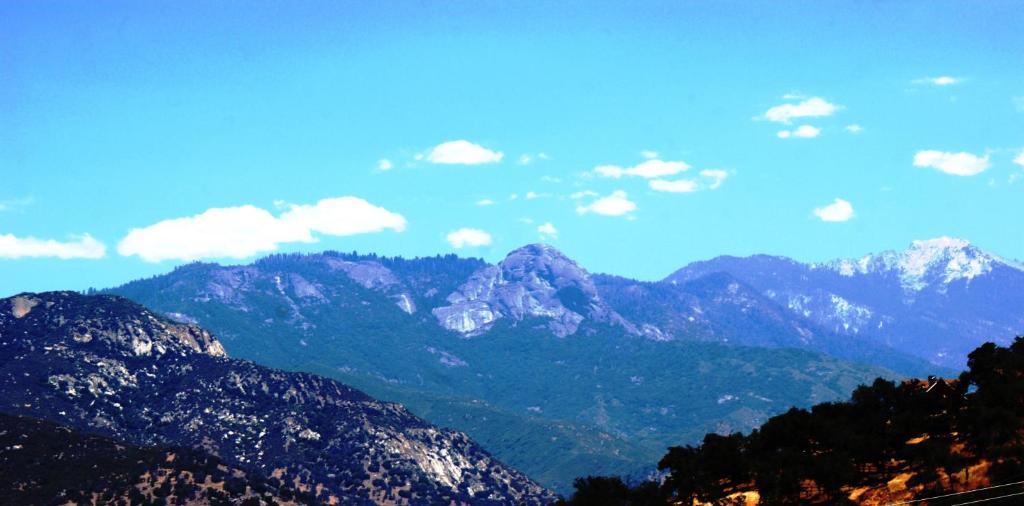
548, 231
711, 180
616, 204
485, 202
551, 179
838, 210
1020, 159
468, 237
534, 195
717, 177
528, 158
462, 152
648, 154
677, 186
814, 107
244, 231
384, 164
806, 131
581, 194
342, 216
648, 169
83, 246
957, 164
803, 131
854, 128
939, 81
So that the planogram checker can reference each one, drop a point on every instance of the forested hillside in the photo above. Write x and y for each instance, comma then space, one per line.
890, 442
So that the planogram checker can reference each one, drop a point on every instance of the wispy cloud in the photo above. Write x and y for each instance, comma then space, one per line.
814, 107
647, 169
16, 204
244, 231
854, 128
710, 179
939, 80
528, 158
839, 210
802, 132
462, 152
485, 202
716, 177
547, 231
583, 194
676, 186
615, 204
82, 246
384, 164
957, 164
468, 237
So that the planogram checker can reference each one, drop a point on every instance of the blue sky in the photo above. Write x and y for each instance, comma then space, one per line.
653, 131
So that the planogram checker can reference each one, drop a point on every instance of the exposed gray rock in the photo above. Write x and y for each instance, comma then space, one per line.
144, 380
535, 281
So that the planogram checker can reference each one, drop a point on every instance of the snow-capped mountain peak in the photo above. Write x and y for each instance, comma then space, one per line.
931, 262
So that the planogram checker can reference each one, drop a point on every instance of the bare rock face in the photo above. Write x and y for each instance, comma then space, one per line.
105, 365
374, 276
20, 306
535, 281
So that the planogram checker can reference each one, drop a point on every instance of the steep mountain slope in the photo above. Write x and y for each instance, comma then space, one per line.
937, 300
559, 368
45, 463
718, 307
106, 365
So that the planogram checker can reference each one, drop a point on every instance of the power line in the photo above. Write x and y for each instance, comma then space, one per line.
990, 499
955, 494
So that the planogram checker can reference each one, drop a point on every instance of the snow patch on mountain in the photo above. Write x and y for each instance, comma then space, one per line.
849, 315
932, 262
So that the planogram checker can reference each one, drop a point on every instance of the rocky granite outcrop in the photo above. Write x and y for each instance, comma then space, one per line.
105, 365
535, 281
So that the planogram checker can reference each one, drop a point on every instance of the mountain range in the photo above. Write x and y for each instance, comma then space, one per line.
105, 366
936, 300
563, 373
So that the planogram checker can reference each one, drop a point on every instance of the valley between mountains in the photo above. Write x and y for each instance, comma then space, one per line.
561, 373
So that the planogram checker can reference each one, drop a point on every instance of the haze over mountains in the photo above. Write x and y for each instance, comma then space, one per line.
562, 373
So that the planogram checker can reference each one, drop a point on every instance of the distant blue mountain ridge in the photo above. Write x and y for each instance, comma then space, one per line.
563, 373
